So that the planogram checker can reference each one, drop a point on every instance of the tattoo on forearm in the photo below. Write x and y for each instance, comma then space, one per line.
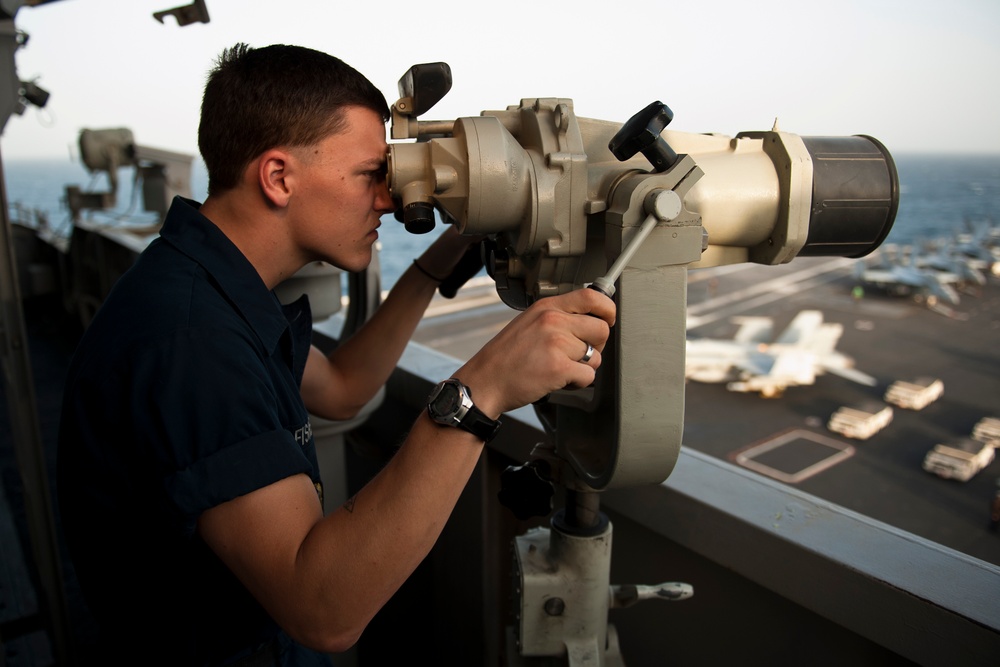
349, 505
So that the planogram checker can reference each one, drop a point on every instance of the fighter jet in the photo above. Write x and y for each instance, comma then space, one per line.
752, 362
980, 246
904, 275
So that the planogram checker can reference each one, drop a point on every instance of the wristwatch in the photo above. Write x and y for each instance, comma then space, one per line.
450, 404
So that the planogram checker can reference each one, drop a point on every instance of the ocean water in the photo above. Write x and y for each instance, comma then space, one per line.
940, 195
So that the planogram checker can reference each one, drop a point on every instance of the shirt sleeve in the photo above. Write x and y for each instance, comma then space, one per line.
221, 417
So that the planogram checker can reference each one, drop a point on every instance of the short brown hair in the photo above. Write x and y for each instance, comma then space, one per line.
259, 98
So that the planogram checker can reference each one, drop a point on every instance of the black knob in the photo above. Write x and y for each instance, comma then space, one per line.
496, 258
642, 134
418, 217
525, 491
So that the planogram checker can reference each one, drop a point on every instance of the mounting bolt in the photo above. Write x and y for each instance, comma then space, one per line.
555, 606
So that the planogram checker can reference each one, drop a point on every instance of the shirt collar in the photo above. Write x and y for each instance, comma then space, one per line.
196, 236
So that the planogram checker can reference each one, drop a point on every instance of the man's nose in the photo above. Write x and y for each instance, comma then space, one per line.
383, 199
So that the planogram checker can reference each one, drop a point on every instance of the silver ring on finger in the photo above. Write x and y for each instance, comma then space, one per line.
588, 354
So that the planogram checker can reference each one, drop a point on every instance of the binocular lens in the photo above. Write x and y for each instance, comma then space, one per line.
855, 196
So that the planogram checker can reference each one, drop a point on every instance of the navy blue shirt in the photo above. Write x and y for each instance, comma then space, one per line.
183, 394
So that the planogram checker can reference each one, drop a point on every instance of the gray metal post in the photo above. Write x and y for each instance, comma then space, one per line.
27, 439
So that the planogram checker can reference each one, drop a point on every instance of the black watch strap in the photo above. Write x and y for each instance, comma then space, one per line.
478, 424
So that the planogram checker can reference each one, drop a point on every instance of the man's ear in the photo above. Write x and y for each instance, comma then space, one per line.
274, 176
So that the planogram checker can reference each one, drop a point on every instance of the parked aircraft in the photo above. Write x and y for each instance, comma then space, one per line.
951, 266
980, 245
752, 362
903, 275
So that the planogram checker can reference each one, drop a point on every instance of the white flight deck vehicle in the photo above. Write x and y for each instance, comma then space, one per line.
916, 394
959, 460
862, 422
754, 361
987, 430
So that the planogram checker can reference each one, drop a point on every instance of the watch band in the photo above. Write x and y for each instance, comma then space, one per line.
477, 423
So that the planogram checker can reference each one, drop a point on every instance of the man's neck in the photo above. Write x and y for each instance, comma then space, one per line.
257, 232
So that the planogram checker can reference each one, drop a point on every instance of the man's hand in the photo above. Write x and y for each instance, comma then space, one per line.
444, 254
541, 350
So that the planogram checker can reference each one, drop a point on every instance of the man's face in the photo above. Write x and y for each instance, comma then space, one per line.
342, 193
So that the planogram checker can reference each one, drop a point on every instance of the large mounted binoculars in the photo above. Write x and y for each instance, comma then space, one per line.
565, 202
541, 182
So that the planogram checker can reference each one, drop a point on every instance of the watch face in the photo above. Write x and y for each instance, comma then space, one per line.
448, 400
446, 403
451, 405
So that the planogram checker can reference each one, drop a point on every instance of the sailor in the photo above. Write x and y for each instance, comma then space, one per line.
187, 475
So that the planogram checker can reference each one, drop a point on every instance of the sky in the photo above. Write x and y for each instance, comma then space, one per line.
920, 76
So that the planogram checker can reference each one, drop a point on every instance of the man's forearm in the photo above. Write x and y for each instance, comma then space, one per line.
354, 371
